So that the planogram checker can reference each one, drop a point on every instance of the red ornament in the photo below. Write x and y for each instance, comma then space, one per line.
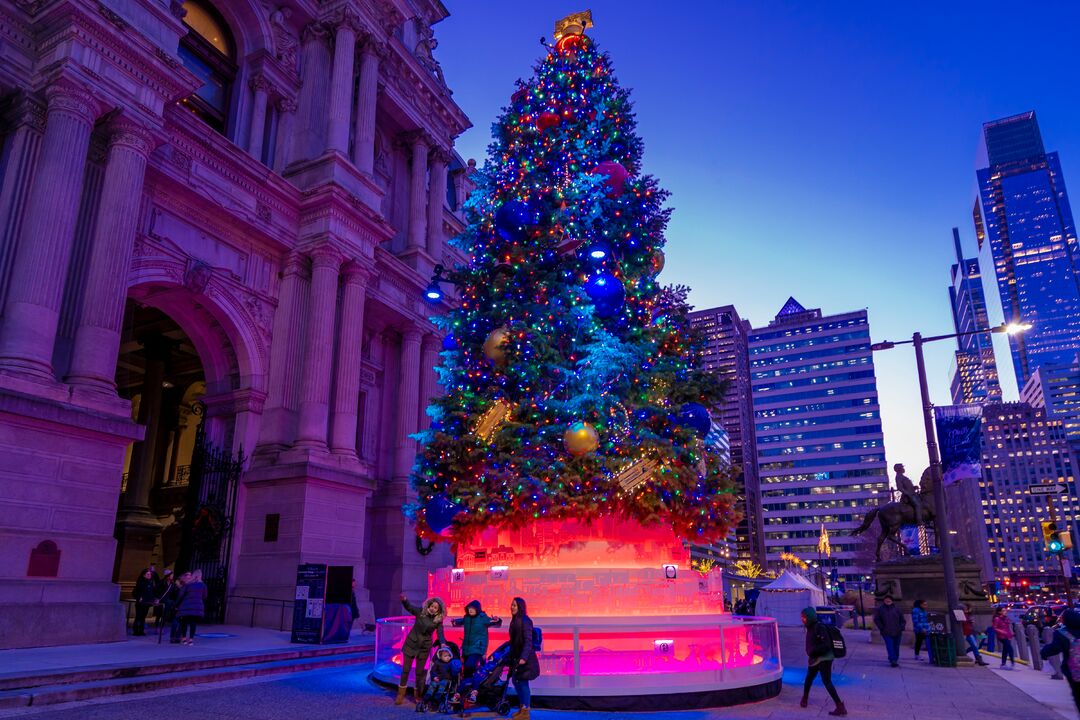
617, 176
519, 96
570, 43
547, 120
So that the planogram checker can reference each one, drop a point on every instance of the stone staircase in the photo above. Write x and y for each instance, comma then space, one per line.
20, 690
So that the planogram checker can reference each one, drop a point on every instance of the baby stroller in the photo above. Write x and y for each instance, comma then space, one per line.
442, 680
486, 687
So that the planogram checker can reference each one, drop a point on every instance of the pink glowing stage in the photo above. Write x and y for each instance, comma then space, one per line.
627, 624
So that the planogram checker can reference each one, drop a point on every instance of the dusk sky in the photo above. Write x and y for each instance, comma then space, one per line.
819, 150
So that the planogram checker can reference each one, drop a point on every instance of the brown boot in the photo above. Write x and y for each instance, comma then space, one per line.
840, 710
400, 695
521, 714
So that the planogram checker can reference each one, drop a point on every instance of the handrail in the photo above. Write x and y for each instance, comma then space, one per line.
255, 600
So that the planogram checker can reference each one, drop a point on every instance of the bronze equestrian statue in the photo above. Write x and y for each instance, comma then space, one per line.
894, 515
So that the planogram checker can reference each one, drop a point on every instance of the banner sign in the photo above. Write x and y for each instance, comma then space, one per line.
959, 431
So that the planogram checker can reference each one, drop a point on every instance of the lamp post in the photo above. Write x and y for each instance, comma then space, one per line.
941, 521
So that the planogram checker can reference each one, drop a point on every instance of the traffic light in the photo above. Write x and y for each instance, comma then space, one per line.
1052, 539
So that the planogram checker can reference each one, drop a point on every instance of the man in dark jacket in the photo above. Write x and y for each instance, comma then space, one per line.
819, 660
145, 595
890, 622
474, 645
1061, 644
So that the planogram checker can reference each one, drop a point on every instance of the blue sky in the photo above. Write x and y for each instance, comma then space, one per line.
820, 150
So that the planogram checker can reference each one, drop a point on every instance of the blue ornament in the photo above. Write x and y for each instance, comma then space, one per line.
696, 417
439, 512
606, 292
449, 342
513, 219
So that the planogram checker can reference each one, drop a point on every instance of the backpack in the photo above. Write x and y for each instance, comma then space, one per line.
836, 640
1073, 659
538, 639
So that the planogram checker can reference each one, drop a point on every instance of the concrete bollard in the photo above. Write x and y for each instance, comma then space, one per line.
1055, 660
1020, 640
1033, 644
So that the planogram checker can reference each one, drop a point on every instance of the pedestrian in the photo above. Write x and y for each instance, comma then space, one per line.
168, 596
145, 595
920, 623
524, 664
890, 623
191, 605
1004, 634
819, 655
972, 638
1066, 642
474, 644
417, 646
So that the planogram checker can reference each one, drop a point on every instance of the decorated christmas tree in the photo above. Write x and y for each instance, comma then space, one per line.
571, 386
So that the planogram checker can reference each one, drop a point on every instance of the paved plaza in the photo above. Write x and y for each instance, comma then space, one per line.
870, 688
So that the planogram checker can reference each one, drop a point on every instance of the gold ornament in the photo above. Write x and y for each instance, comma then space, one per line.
495, 345
575, 24
581, 439
492, 419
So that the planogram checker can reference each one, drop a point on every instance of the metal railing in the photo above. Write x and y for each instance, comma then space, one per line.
282, 606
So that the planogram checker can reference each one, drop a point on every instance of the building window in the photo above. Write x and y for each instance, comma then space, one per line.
271, 526
209, 53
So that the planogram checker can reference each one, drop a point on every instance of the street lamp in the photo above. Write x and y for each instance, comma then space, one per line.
433, 293
941, 521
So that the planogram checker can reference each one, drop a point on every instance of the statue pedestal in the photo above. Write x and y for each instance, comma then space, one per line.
922, 577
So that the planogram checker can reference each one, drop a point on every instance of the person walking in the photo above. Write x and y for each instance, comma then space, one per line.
145, 595
920, 623
1004, 634
890, 623
819, 655
167, 600
1064, 643
417, 646
191, 605
968, 626
524, 664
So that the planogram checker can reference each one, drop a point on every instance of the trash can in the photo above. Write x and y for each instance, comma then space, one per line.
942, 649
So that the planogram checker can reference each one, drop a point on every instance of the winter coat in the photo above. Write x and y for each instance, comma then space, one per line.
192, 600
920, 621
418, 641
889, 620
818, 642
444, 670
145, 591
1061, 642
170, 596
476, 627
521, 645
1002, 627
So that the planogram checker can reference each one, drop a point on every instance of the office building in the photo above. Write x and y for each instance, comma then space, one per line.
725, 352
975, 375
821, 456
1056, 387
1022, 216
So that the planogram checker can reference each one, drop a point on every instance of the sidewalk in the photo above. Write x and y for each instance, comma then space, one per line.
212, 641
1038, 684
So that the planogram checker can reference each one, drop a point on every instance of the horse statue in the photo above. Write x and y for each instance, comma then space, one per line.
896, 514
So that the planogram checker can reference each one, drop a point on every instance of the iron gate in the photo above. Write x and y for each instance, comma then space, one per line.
208, 522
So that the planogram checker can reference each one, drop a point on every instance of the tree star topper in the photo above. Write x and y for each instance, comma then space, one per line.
574, 24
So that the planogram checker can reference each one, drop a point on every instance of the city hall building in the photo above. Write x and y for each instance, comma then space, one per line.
217, 218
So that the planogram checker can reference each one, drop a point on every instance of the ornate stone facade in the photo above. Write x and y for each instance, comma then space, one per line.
275, 263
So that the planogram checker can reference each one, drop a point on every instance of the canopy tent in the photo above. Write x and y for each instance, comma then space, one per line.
785, 598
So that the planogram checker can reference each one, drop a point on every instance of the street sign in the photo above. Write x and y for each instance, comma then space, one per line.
1051, 489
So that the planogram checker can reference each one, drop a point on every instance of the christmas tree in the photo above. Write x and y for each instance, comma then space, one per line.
571, 386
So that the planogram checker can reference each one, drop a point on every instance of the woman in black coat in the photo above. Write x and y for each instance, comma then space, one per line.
145, 594
524, 664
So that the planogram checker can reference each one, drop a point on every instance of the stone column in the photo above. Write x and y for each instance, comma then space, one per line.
286, 108
440, 159
408, 395
429, 386
286, 360
309, 139
418, 195
25, 124
341, 82
258, 116
97, 337
37, 281
315, 381
367, 100
350, 343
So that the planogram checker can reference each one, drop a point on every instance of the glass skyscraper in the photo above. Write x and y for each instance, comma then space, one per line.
1023, 213
975, 376
821, 454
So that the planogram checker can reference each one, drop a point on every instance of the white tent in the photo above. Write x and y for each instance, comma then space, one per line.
785, 598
